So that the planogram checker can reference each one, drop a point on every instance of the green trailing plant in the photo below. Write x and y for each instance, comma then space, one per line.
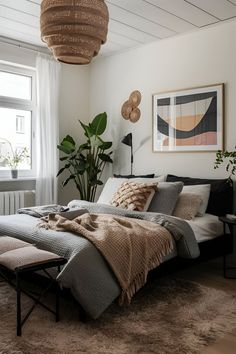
85, 163
15, 156
230, 158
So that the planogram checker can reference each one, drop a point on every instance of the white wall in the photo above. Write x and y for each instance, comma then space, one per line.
74, 106
200, 58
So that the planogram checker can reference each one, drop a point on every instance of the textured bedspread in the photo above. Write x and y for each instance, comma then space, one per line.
87, 273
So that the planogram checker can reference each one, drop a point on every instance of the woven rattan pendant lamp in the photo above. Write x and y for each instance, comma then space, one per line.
74, 29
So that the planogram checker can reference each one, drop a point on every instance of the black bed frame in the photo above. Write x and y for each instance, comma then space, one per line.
222, 201
217, 247
211, 249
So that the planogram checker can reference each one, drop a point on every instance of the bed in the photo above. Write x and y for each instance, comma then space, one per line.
87, 274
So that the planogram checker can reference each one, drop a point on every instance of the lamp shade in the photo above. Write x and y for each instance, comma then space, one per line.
127, 140
74, 29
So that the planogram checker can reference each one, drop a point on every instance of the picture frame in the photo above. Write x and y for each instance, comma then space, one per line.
189, 119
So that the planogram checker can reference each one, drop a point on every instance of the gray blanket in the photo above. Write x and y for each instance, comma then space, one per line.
44, 210
86, 273
40, 211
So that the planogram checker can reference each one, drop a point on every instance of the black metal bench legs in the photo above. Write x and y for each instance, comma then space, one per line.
37, 300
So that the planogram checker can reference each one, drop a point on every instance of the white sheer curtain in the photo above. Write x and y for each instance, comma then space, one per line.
48, 79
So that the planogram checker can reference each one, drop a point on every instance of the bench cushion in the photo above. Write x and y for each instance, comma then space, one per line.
9, 243
26, 256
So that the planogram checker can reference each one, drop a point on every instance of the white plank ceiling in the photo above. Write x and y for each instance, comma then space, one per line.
132, 22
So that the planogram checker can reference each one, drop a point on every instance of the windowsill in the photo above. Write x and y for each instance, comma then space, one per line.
20, 179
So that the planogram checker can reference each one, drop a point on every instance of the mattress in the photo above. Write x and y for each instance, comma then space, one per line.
206, 227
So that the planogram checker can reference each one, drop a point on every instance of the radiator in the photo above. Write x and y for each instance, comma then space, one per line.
13, 200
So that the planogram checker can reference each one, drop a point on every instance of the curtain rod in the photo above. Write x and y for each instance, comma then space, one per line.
23, 45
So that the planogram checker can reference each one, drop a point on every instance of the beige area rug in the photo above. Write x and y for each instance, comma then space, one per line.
167, 316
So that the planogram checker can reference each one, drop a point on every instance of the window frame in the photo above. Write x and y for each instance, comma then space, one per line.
26, 105
19, 121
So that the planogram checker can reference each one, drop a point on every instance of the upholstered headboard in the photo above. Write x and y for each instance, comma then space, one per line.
221, 196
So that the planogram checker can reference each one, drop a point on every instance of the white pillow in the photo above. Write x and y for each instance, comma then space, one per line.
113, 183
203, 190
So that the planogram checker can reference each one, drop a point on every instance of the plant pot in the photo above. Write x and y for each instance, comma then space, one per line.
14, 174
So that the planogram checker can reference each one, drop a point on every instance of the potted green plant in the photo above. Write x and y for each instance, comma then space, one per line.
14, 157
85, 163
230, 158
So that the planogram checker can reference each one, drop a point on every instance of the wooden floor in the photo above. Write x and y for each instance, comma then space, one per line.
210, 274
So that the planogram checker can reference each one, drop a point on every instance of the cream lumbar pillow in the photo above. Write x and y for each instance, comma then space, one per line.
203, 191
134, 195
187, 206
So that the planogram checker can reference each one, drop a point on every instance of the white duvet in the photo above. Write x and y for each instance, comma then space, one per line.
206, 227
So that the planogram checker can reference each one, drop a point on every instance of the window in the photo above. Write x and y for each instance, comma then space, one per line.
17, 118
15, 86
20, 124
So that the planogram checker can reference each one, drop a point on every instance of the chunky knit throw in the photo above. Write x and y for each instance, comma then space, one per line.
132, 247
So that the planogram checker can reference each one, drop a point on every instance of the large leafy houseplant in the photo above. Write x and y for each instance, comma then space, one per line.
230, 158
86, 162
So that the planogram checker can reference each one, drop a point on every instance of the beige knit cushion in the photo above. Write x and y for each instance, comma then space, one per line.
9, 243
187, 206
25, 256
134, 195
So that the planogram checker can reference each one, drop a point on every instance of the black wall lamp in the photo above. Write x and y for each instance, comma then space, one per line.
127, 140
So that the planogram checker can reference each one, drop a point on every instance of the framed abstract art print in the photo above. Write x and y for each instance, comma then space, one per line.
189, 120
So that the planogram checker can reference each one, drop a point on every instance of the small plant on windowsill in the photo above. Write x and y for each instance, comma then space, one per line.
230, 158
14, 157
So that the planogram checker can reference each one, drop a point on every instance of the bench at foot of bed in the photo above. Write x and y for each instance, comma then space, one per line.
17, 258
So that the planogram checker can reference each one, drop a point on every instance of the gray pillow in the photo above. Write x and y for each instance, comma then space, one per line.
166, 197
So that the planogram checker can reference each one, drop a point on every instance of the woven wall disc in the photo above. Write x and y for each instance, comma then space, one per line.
135, 115
126, 110
135, 98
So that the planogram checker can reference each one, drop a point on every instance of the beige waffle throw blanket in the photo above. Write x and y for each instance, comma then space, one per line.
132, 247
